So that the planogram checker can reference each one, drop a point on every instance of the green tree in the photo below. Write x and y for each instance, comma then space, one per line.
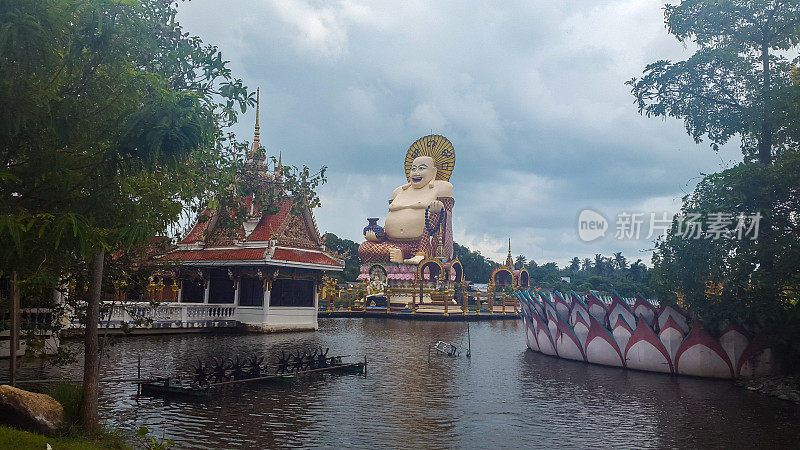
738, 82
721, 277
111, 122
546, 273
620, 262
599, 264
477, 268
348, 248
575, 264
636, 270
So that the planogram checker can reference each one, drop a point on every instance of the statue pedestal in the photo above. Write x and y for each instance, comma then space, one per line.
421, 284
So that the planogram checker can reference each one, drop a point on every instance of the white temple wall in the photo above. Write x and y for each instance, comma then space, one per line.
251, 315
279, 318
288, 317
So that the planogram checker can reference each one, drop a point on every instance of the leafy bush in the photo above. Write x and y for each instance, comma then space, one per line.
153, 443
70, 395
735, 279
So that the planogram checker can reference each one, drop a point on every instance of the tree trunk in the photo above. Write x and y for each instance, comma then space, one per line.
14, 341
765, 157
91, 362
765, 140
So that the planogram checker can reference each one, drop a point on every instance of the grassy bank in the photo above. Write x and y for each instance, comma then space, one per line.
11, 438
70, 396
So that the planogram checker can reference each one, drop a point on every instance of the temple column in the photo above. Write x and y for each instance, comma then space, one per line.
184, 310
316, 305
206, 291
267, 289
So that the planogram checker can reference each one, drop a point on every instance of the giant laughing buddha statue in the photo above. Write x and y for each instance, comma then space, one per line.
419, 222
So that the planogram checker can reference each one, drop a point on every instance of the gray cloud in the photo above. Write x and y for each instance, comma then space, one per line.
532, 96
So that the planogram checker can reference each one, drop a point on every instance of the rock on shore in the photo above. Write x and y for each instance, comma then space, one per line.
784, 388
31, 411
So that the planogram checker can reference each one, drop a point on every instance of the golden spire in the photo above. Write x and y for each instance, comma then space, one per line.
279, 167
251, 155
509, 258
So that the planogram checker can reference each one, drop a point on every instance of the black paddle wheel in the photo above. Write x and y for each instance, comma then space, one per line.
322, 358
237, 368
201, 372
283, 363
253, 366
219, 370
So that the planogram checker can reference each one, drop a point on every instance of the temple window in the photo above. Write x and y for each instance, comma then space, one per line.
298, 293
221, 289
192, 291
251, 292
134, 292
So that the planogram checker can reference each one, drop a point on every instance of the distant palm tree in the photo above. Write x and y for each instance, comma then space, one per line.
637, 269
599, 263
575, 264
586, 265
521, 262
620, 262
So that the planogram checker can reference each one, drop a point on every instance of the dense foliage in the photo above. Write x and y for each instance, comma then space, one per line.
738, 82
738, 279
477, 267
349, 250
112, 128
602, 274
104, 103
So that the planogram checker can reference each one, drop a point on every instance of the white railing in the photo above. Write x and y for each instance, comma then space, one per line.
114, 313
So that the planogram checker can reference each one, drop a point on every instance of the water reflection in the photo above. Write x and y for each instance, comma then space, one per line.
502, 396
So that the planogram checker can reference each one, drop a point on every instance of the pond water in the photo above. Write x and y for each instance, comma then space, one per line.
504, 396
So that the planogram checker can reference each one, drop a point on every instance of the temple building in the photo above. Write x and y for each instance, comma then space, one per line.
508, 276
270, 269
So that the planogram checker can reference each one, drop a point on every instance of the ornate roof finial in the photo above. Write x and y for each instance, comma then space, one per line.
509, 258
279, 167
251, 157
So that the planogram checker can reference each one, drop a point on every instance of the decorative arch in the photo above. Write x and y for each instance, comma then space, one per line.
434, 266
502, 276
379, 270
524, 278
456, 267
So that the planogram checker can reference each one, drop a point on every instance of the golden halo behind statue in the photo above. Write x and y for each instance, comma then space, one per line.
438, 148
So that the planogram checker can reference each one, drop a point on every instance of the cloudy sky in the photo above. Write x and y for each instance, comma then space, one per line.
531, 94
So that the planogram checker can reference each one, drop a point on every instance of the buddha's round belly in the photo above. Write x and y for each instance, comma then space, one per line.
405, 223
